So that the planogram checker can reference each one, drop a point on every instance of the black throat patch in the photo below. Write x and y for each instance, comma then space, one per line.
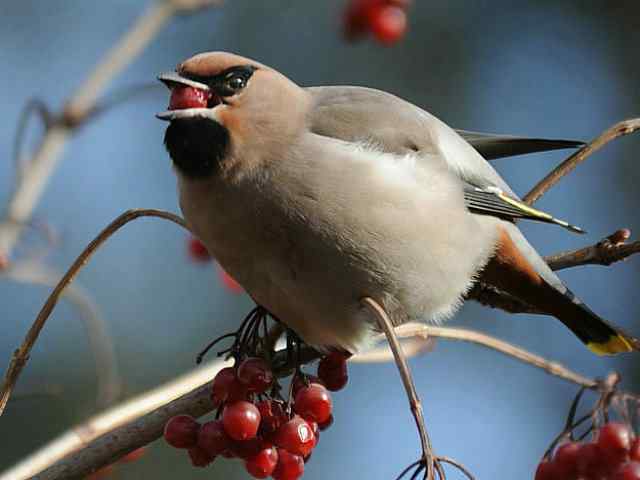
196, 146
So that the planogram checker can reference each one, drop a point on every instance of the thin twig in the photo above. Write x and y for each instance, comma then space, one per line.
457, 465
100, 342
21, 355
625, 127
609, 250
553, 368
32, 181
405, 374
412, 347
33, 106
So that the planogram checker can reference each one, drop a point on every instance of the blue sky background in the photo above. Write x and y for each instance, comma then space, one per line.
538, 68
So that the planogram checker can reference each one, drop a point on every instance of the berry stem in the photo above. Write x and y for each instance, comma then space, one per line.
206, 349
407, 380
458, 465
572, 412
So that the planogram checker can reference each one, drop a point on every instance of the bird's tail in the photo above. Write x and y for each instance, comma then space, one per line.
601, 337
518, 270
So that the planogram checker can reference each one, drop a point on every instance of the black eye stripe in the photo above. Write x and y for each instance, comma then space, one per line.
218, 82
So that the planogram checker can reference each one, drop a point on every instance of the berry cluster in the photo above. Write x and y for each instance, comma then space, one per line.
613, 454
385, 19
273, 437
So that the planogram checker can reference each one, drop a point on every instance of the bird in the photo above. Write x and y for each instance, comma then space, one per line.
314, 198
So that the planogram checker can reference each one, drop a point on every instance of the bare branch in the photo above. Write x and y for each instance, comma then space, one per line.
609, 250
625, 127
100, 342
412, 347
21, 355
33, 106
111, 434
32, 181
501, 346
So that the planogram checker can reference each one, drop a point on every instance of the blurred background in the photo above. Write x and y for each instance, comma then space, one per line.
532, 67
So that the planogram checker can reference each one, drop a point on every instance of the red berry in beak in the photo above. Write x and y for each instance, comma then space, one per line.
183, 96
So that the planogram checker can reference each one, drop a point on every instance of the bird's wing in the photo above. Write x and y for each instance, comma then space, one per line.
493, 201
492, 146
358, 113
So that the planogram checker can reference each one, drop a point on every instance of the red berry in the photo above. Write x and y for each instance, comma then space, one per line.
197, 251
101, 474
199, 457
289, 467
227, 388
388, 24
213, 439
296, 436
229, 282
627, 471
614, 439
181, 431
263, 463
313, 403
566, 460
546, 470
326, 424
133, 455
183, 96
332, 371
316, 435
315, 429
301, 381
590, 461
634, 452
400, 3
356, 18
248, 448
272, 415
333, 361
241, 420
255, 374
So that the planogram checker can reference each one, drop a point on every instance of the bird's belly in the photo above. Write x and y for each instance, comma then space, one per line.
310, 260
279, 268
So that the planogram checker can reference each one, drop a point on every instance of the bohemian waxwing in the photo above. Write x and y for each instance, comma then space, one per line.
313, 198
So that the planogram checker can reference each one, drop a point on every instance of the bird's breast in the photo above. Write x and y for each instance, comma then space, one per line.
318, 233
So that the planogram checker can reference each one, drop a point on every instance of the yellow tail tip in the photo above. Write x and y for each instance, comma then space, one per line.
616, 344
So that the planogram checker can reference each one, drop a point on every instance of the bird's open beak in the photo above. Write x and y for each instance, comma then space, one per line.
171, 79
197, 105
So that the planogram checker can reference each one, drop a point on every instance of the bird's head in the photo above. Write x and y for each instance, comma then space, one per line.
225, 110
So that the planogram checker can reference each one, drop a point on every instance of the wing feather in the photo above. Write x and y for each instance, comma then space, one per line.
492, 201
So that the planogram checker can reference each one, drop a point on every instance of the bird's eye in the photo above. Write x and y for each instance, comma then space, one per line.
235, 83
